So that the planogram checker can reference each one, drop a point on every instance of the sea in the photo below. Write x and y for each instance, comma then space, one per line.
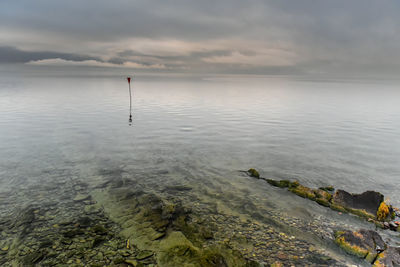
198, 133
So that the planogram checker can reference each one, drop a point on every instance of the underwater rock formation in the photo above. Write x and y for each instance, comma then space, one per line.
162, 227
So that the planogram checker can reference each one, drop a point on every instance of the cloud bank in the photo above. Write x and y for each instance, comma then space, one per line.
255, 36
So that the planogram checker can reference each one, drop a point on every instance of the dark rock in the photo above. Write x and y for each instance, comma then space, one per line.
84, 221
119, 260
386, 225
97, 241
389, 258
25, 221
73, 232
46, 243
99, 229
368, 201
213, 259
363, 243
393, 226
33, 258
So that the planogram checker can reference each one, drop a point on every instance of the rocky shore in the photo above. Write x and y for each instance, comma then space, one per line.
370, 205
119, 221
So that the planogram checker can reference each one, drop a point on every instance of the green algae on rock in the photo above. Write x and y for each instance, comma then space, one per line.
281, 183
304, 192
253, 173
162, 228
368, 205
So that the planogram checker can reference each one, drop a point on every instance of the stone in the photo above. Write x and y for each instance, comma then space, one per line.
393, 226
144, 254
328, 188
33, 258
367, 202
99, 256
253, 173
132, 262
388, 258
176, 188
281, 183
81, 197
362, 243
84, 221
304, 192
97, 241
323, 202
99, 229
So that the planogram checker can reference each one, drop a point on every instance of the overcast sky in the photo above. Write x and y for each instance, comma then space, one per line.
235, 36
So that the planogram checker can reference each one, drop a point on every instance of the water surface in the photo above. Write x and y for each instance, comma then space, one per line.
199, 131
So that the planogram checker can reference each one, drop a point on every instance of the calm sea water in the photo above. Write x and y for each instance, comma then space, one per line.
200, 131
343, 133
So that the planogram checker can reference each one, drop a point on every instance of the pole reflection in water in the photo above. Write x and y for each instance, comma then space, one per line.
130, 101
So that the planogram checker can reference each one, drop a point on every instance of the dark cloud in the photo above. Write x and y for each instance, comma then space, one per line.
234, 35
13, 55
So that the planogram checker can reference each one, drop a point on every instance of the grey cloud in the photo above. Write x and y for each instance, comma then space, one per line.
14, 55
321, 35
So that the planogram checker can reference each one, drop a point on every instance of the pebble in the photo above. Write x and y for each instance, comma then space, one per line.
81, 197
132, 262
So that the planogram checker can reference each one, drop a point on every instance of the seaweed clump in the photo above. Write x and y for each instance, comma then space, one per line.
383, 212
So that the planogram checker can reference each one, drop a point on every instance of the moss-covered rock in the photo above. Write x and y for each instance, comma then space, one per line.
303, 191
177, 250
294, 184
281, 183
253, 173
328, 188
363, 243
323, 202
319, 193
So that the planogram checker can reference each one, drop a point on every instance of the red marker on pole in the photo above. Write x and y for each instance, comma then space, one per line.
130, 99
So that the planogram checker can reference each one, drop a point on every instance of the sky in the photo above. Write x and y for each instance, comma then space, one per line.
215, 36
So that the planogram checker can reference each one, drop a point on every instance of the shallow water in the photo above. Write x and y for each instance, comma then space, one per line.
58, 126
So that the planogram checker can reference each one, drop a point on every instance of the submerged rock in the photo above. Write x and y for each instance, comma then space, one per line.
281, 183
366, 203
81, 197
363, 243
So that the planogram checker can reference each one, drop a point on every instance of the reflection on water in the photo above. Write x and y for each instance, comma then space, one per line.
130, 101
63, 136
